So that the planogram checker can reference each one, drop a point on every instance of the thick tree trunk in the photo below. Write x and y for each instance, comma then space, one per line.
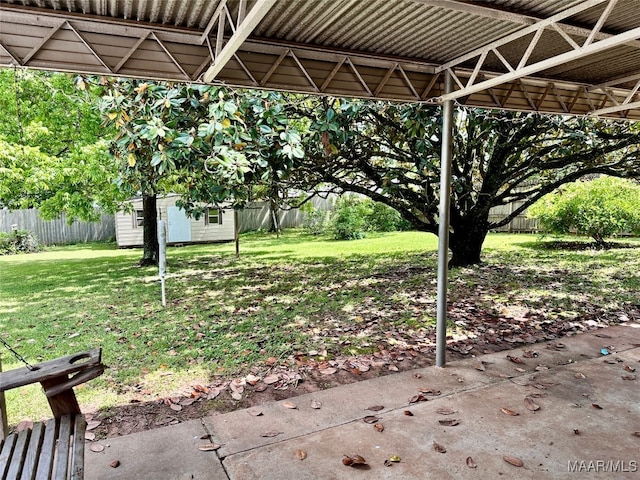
275, 224
151, 248
466, 243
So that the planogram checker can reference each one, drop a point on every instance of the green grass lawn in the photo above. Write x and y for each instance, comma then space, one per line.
283, 295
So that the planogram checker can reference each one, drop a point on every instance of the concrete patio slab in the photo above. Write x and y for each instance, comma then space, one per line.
584, 427
164, 453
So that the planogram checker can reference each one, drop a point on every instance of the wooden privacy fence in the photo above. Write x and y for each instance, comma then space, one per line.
58, 232
519, 224
256, 216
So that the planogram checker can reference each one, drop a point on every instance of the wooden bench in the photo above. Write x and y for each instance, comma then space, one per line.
52, 449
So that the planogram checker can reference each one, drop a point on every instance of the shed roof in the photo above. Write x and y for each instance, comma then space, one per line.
562, 56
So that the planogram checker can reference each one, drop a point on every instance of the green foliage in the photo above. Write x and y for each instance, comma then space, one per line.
18, 241
315, 221
205, 142
383, 218
600, 208
349, 219
354, 216
51, 153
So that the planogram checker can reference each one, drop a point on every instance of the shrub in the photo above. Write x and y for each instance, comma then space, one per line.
599, 208
384, 218
315, 221
18, 241
349, 219
354, 216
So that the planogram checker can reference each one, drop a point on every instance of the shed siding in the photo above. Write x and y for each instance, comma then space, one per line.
128, 235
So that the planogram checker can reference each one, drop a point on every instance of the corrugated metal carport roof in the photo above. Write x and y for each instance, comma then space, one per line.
565, 56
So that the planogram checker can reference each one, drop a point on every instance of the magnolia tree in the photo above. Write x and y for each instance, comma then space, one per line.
391, 153
205, 142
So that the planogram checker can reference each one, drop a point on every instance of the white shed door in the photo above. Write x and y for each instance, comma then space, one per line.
179, 225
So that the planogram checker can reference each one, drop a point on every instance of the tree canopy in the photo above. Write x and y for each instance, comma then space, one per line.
391, 153
52, 153
205, 142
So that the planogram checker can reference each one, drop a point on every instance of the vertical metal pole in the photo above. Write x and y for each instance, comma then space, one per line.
443, 228
162, 261
4, 423
236, 232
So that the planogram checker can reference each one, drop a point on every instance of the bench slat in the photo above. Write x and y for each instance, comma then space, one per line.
19, 453
47, 451
5, 454
77, 466
33, 452
62, 455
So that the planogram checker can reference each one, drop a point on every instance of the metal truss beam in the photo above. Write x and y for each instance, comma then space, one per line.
66, 42
468, 6
241, 33
588, 47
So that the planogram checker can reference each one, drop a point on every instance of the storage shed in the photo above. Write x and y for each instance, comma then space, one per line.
216, 225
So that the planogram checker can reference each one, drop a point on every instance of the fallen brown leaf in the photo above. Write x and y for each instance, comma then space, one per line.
429, 391
580, 375
417, 398
289, 405
91, 424
328, 371
269, 379
379, 427
515, 461
25, 425
471, 463
301, 454
537, 395
316, 404
254, 411
576, 431
271, 433
175, 407
439, 448
629, 369
408, 413
96, 447
517, 360
508, 411
595, 405
209, 447
375, 408
530, 404
446, 411
370, 419
115, 464
449, 423
628, 377
354, 460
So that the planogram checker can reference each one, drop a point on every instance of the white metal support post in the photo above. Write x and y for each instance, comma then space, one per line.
162, 260
443, 227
